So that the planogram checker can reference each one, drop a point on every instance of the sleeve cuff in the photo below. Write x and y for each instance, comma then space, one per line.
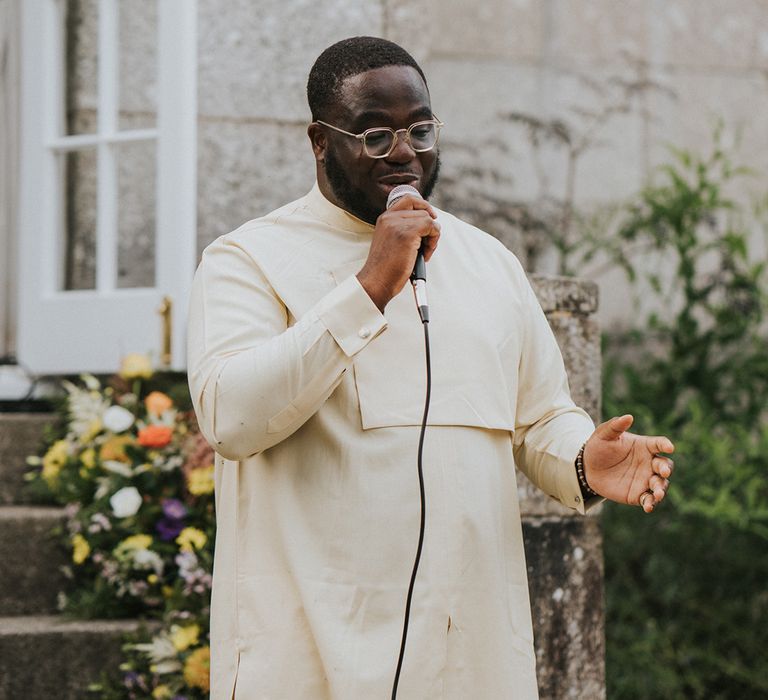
571, 494
351, 317
575, 497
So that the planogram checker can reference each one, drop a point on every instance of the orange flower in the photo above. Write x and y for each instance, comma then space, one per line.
114, 449
197, 669
155, 435
157, 403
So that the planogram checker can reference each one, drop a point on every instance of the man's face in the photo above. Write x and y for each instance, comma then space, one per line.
394, 96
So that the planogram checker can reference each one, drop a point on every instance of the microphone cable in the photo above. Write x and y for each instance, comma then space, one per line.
425, 324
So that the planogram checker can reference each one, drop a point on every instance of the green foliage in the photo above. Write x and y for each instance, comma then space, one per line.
687, 600
686, 607
710, 343
725, 478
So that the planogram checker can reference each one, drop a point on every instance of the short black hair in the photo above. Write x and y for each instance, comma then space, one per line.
350, 57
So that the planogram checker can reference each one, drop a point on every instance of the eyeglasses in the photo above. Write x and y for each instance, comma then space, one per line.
379, 142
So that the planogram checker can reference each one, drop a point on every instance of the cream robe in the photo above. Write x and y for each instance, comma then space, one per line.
313, 400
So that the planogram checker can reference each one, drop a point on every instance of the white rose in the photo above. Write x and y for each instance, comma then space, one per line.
147, 559
125, 502
117, 419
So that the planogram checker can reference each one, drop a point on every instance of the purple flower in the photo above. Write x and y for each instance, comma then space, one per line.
169, 528
134, 680
173, 523
174, 509
130, 678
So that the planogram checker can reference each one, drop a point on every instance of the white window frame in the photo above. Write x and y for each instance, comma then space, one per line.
42, 299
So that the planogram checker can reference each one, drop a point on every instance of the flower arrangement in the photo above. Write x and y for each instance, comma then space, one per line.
136, 479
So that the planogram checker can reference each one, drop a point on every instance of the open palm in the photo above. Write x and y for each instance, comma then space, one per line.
628, 468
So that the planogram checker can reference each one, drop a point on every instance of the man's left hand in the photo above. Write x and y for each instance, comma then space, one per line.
628, 468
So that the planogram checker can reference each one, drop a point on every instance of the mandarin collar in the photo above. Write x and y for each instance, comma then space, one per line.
328, 212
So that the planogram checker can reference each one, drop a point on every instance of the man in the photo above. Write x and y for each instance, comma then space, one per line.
307, 373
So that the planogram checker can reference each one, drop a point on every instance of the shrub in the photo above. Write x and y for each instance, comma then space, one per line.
687, 604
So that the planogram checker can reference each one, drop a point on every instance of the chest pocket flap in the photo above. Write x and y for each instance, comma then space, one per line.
474, 380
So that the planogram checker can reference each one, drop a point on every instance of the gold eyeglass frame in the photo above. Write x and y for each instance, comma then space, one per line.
361, 136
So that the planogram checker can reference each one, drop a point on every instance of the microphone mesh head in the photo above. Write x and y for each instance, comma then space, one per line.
399, 191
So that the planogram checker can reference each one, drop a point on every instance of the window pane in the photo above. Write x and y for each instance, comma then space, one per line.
136, 214
79, 185
138, 64
82, 66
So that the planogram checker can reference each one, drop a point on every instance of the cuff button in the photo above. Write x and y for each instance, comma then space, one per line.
364, 333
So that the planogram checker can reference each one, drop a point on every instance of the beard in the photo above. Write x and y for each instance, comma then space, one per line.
353, 199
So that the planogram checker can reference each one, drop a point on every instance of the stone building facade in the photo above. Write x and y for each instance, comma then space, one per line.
628, 79
631, 78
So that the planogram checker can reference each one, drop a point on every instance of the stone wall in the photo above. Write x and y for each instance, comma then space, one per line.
9, 163
563, 549
630, 77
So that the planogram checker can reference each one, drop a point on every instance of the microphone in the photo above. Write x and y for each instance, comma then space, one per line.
419, 274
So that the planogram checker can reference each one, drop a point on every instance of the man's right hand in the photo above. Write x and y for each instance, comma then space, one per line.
397, 238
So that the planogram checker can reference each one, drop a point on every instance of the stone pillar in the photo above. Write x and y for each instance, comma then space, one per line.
564, 549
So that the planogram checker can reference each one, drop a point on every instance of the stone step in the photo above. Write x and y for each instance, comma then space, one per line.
21, 435
50, 657
30, 560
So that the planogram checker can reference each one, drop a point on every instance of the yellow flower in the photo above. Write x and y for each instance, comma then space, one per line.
152, 579
200, 480
80, 549
190, 538
54, 460
114, 449
162, 692
136, 366
88, 458
94, 428
135, 542
184, 637
167, 591
197, 669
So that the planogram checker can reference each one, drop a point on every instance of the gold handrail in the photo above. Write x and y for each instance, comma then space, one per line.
166, 312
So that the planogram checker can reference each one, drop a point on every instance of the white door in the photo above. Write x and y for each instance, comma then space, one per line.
107, 207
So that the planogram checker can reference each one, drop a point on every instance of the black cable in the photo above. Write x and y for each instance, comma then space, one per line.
423, 512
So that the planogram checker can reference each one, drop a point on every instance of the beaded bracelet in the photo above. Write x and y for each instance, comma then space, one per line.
586, 490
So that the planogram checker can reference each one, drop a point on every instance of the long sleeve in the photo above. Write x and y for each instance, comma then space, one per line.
549, 428
254, 378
